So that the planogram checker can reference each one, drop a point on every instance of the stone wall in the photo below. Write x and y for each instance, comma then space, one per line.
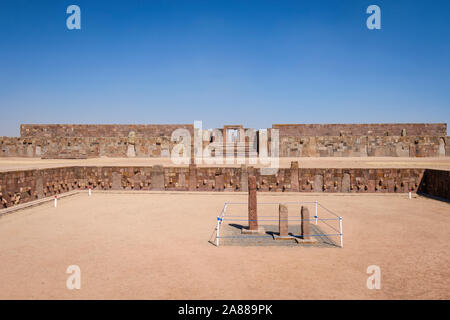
161, 146
84, 147
347, 140
376, 129
27, 185
364, 146
100, 130
436, 183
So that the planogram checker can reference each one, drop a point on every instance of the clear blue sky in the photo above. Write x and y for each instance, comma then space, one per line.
224, 62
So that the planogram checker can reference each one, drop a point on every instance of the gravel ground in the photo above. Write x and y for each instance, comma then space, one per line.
156, 246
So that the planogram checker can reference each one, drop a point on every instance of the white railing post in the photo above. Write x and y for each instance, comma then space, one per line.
217, 230
315, 216
340, 232
56, 201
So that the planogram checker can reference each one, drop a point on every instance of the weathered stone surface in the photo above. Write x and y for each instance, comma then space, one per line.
435, 183
116, 181
131, 151
39, 186
192, 177
305, 222
318, 183
157, 178
219, 183
372, 129
441, 152
294, 177
296, 140
182, 180
252, 204
26, 185
345, 183
283, 220
244, 178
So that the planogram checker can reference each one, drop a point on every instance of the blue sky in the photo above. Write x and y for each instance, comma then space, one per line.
224, 62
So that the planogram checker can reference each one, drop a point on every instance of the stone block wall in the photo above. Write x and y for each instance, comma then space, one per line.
87, 141
364, 146
100, 130
83, 147
324, 146
27, 185
376, 129
436, 183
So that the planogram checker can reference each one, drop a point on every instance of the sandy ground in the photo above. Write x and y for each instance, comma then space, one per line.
155, 246
350, 162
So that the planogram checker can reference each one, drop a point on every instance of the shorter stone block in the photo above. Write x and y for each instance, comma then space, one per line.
305, 223
318, 183
157, 178
345, 183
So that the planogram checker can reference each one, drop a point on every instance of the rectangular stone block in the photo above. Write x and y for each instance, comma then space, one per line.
192, 177
305, 223
345, 183
157, 178
318, 183
116, 181
283, 220
294, 177
219, 182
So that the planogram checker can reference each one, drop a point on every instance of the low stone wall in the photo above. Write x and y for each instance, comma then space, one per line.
436, 183
27, 185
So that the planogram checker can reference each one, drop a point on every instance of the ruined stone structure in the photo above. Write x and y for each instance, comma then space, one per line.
436, 183
363, 140
82, 141
296, 140
27, 185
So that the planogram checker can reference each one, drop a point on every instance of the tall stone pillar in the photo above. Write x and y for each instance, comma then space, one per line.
252, 204
283, 220
294, 176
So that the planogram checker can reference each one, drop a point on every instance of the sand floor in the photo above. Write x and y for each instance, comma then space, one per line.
310, 162
155, 246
